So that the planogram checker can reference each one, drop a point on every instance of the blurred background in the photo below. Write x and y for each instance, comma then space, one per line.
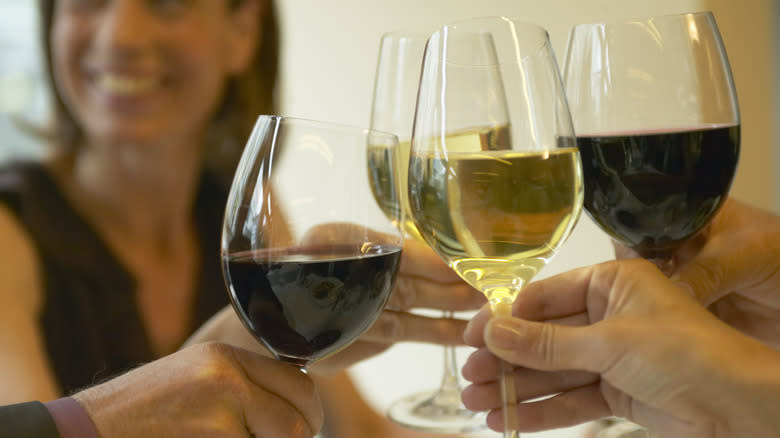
330, 50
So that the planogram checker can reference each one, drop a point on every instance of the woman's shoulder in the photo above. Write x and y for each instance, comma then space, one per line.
27, 196
18, 257
21, 183
22, 168
22, 180
35, 204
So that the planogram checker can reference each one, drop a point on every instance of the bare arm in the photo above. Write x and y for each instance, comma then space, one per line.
25, 370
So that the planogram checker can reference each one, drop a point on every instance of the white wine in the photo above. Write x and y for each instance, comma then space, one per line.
379, 165
386, 187
496, 216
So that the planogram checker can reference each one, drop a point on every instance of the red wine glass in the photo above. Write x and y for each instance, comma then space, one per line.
657, 122
309, 257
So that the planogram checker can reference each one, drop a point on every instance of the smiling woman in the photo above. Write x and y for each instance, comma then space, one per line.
110, 254
122, 218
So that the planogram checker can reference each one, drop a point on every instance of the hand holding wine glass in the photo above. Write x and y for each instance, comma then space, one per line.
601, 340
309, 258
494, 175
658, 128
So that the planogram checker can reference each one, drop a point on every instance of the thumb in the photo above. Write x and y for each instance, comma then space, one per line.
545, 346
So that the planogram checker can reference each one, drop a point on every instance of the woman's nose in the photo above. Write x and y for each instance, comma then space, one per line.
124, 24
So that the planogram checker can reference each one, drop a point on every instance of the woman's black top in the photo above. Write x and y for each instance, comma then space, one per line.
91, 323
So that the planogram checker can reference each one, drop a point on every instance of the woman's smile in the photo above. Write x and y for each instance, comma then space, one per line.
118, 91
125, 85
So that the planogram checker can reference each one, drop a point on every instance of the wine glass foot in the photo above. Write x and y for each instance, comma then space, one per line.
432, 412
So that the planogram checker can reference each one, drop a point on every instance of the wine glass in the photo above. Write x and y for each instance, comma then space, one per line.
495, 184
308, 256
658, 128
392, 110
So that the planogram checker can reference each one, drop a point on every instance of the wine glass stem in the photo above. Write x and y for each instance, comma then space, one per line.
509, 400
449, 390
305, 370
508, 393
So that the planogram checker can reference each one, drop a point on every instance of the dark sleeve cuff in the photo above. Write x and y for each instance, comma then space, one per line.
71, 419
26, 420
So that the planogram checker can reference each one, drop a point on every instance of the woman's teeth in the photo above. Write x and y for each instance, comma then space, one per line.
125, 85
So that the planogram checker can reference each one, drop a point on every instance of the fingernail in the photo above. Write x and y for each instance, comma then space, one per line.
503, 333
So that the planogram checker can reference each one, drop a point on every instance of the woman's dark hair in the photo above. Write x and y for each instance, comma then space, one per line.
246, 96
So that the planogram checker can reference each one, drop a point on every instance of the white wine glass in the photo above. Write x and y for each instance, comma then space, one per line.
658, 128
495, 184
392, 110
309, 258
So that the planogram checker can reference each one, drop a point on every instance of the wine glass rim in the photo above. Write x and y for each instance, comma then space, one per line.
496, 18
409, 33
648, 18
542, 33
325, 123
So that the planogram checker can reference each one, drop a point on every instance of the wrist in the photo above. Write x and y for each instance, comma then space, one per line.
71, 418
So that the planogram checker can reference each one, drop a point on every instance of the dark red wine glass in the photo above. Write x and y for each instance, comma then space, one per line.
309, 257
657, 122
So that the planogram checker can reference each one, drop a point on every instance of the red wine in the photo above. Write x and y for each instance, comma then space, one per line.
306, 303
652, 191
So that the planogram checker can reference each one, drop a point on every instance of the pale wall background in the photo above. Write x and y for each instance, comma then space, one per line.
328, 70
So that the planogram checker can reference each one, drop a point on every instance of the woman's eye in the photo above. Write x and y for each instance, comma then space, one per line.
165, 7
170, 7
81, 4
